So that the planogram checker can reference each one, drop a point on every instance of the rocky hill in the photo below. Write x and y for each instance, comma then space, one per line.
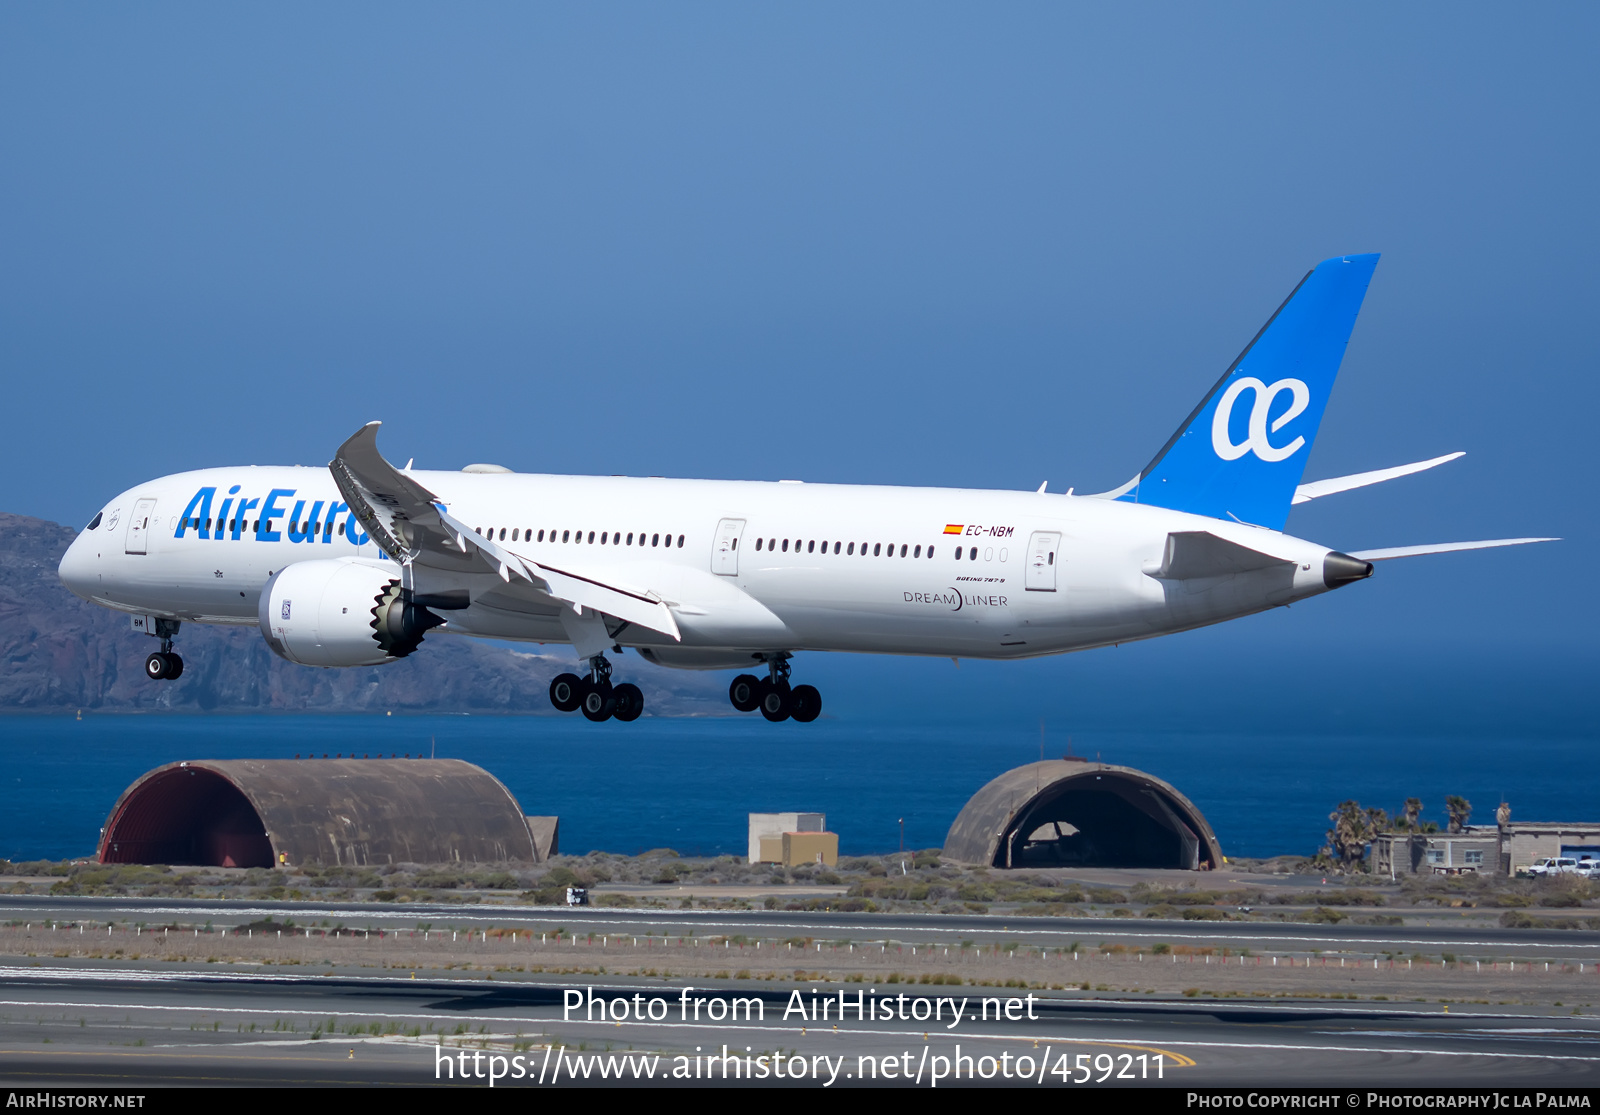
60, 653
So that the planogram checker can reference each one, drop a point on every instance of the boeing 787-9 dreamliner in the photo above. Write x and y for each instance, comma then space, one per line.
354, 564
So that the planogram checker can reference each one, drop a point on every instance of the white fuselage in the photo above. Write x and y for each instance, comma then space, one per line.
927, 571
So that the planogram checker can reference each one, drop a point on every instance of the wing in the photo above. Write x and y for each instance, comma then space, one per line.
409, 523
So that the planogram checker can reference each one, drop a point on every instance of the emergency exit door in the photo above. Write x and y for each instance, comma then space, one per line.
725, 552
1044, 554
139, 525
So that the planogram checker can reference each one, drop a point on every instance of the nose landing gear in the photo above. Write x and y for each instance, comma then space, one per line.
772, 695
595, 696
164, 665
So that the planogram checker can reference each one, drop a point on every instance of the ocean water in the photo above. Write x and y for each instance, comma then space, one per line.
688, 783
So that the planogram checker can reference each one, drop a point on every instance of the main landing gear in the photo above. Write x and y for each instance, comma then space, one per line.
595, 696
164, 665
773, 696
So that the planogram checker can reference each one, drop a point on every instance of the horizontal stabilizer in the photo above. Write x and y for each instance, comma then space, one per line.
1192, 554
1392, 552
1305, 493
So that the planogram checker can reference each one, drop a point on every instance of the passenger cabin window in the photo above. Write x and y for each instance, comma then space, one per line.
811, 547
877, 549
566, 535
680, 541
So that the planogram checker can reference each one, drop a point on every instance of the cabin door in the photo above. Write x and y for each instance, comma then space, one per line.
139, 525
1044, 554
725, 553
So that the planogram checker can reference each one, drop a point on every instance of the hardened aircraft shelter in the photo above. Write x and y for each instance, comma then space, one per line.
1076, 813
333, 812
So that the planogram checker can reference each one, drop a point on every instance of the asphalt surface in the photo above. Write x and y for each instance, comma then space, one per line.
122, 1024
1535, 944
131, 1027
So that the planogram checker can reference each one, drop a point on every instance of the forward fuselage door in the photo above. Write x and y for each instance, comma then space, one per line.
139, 525
1044, 554
725, 552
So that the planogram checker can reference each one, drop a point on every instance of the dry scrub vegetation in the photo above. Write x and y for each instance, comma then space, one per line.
911, 881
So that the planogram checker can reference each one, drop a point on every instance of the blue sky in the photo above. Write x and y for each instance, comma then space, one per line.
944, 244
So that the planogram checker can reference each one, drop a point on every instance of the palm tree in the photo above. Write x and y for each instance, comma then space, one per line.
1410, 816
1352, 828
1459, 809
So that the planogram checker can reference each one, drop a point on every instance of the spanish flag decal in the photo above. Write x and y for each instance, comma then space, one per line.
953, 528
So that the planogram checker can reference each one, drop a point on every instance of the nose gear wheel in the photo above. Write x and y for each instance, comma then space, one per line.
164, 665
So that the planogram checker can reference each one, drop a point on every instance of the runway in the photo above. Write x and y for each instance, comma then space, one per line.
359, 1009
131, 1026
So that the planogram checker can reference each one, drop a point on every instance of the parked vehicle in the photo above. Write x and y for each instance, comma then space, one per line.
1555, 865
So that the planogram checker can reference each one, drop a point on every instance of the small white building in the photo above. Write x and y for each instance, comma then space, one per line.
774, 825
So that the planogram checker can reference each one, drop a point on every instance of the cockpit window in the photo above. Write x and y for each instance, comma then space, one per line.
94, 522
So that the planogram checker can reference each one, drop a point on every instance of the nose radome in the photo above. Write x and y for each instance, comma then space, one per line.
78, 570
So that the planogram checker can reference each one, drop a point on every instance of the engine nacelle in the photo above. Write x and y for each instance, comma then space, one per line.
341, 612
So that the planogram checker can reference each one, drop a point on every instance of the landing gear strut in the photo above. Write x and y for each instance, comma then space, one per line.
595, 696
773, 696
164, 665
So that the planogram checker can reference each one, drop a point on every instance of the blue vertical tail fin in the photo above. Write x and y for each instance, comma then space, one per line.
1244, 449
